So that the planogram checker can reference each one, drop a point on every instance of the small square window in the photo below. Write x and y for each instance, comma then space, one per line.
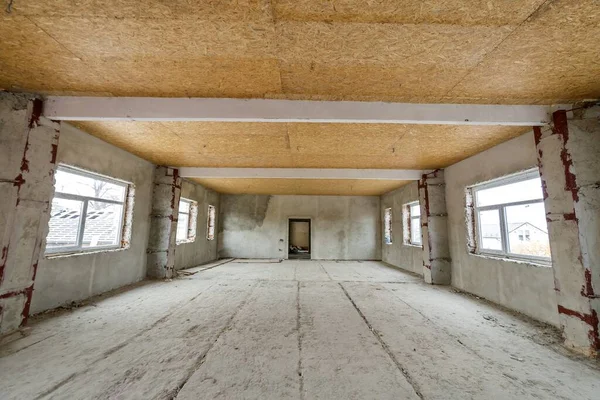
387, 226
210, 223
186, 221
412, 223
510, 218
88, 212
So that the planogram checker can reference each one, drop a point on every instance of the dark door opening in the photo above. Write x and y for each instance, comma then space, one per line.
299, 239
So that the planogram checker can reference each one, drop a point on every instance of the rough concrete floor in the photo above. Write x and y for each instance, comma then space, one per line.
297, 329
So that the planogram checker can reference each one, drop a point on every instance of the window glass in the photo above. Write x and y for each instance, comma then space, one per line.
210, 229
489, 225
65, 218
102, 224
87, 212
82, 184
527, 230
415, 230
186, 221
415, 210
512, 218
530, 189
184, 206
412, 223
387, 223
183, 223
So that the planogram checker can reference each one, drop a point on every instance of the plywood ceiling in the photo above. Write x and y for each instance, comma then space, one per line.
480, 51
456, 51
345, 187
300, 145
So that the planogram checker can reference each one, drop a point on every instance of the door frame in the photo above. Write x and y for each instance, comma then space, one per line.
310, 235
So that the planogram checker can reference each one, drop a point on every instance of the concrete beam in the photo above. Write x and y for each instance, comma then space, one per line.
73, 108
302, 173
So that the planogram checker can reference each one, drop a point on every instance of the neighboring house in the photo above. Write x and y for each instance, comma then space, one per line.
526, 232
100, 227
523, 238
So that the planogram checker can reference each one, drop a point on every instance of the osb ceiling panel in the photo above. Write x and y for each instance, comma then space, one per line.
332, 187
300, 145
478, 51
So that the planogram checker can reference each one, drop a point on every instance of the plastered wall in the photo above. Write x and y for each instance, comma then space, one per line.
522, 286
201, 250
61, 280
343, 227
397, 253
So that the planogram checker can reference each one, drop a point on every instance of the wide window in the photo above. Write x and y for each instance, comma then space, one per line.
412, 223
186, 221
88, 212
210, 223
511, 219
387, 226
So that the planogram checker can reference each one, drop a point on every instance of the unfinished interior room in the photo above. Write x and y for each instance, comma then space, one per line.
299, 199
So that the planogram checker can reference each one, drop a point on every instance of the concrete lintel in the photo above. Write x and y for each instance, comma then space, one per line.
74, 108
302, 173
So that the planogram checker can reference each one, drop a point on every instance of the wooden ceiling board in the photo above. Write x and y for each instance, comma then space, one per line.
554, 55
455, 12
386, 44
424, 84
331, 187
102, 38
146, 9
300, 145
477, 51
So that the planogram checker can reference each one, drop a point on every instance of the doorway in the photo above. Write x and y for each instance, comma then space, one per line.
299, 239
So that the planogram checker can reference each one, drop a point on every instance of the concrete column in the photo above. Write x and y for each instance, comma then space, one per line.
163, 223
569, 160
28, 145
434, 228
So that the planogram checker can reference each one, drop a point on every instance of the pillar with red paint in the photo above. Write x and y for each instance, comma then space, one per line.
28, 144
569, 160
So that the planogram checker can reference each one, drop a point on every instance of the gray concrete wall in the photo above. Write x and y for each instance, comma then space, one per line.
200, 250
343, 227
401, 255
61, 280
521, 286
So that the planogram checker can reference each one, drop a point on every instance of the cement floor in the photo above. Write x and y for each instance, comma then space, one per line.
296, 329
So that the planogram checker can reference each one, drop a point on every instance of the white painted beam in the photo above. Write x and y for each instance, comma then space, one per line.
302, 173
70, 108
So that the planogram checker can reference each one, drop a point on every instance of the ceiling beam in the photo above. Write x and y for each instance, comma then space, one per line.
73, 108
302, 173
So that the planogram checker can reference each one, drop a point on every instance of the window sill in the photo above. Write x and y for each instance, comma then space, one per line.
185, 241
50, 256
418, 246
517, 260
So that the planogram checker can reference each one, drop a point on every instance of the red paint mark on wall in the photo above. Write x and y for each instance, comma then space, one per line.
561, 128
3, 262
587, 290
590, 319
570, 217
36, 112
19, 180
53, 152
537, 134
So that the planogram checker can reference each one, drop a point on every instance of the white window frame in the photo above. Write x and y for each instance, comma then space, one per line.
408, 221
388, 226
214, 210
501, 208
78, 248
191, 226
